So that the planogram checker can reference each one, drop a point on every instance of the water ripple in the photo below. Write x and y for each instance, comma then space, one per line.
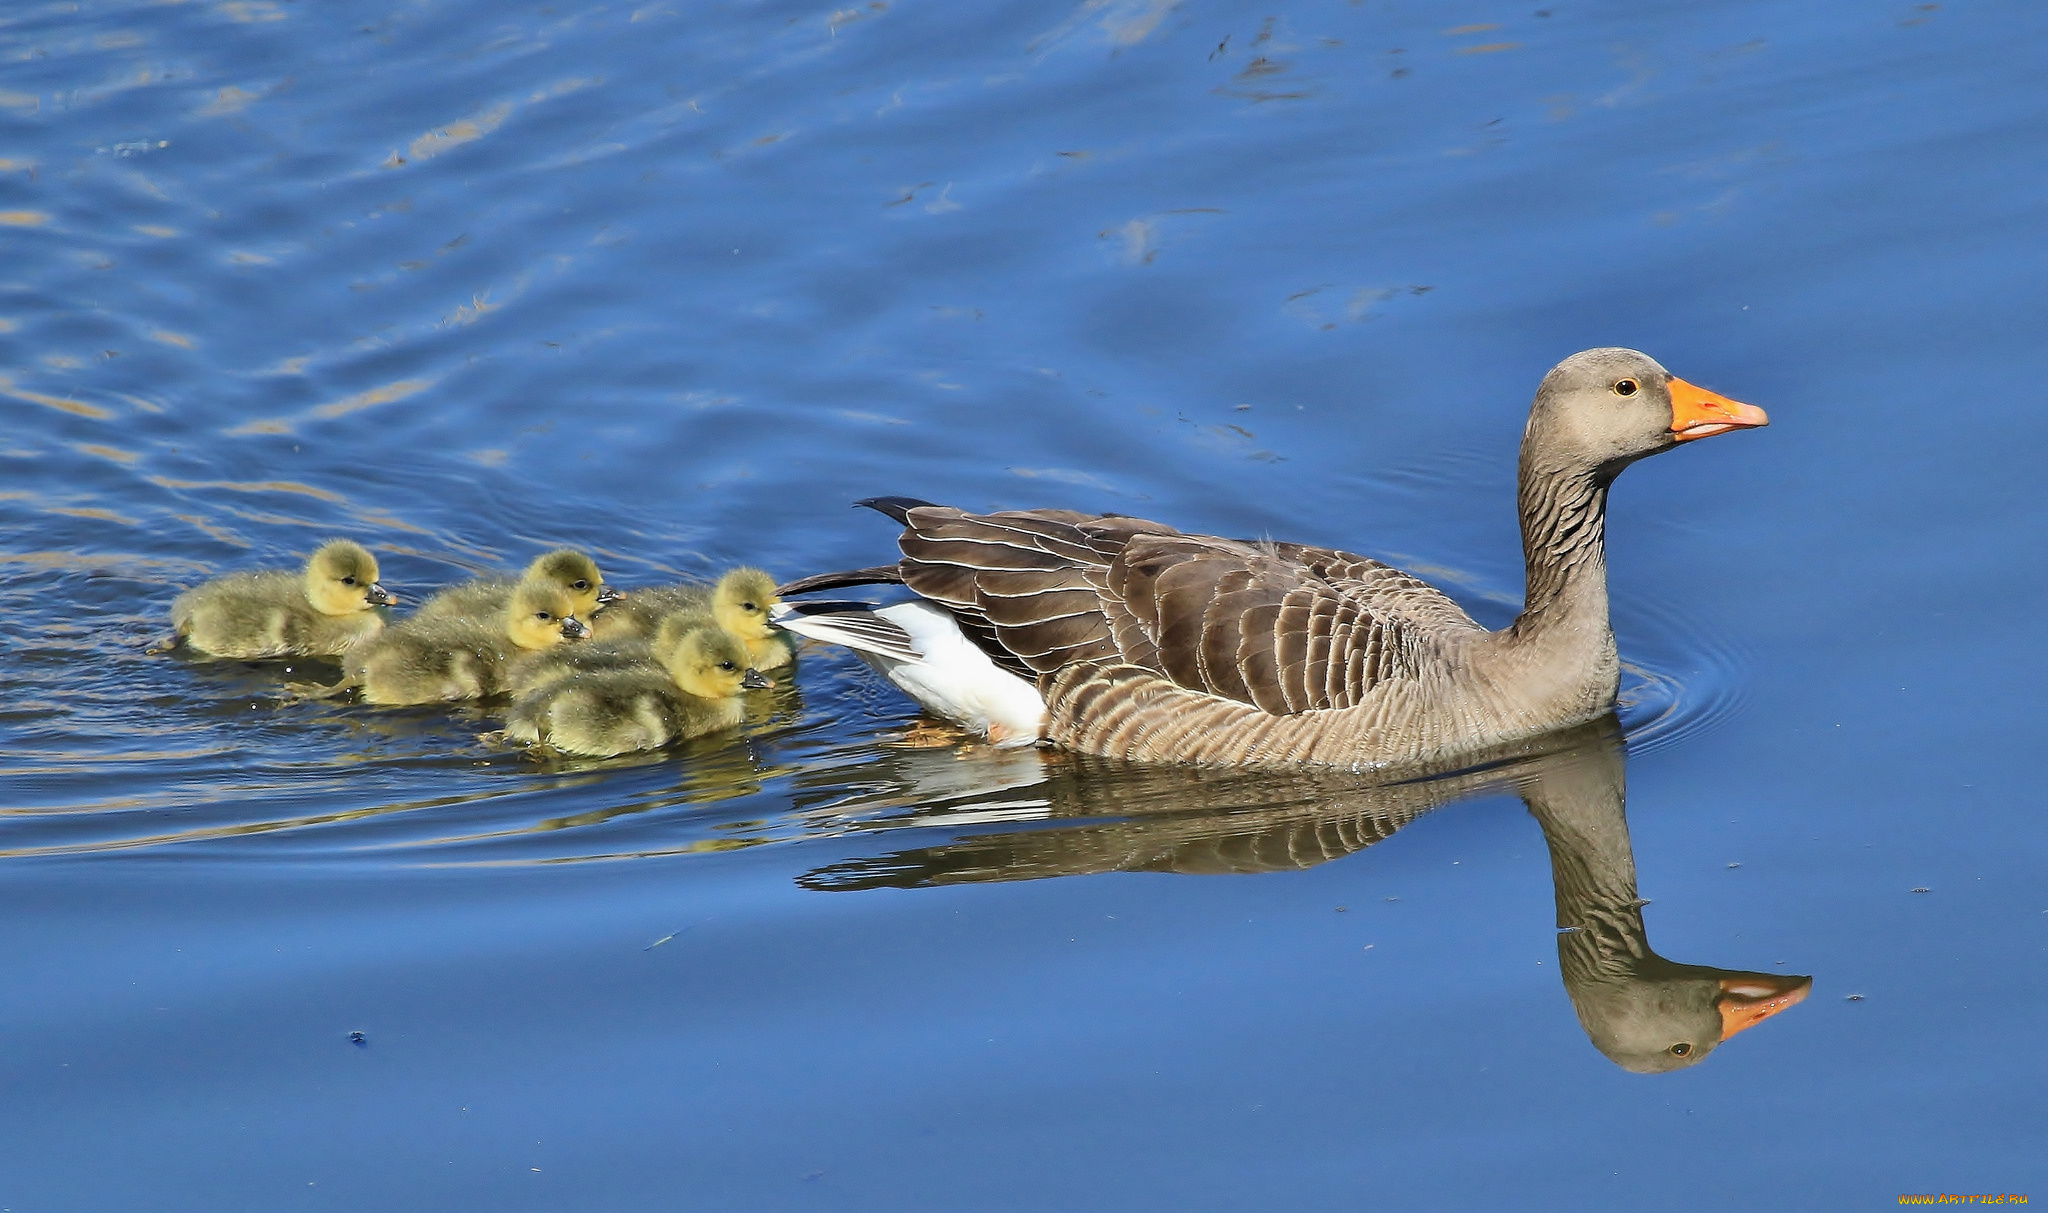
1677, 683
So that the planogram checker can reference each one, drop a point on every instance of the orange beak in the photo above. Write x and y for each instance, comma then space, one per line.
1751, 998
1699, 413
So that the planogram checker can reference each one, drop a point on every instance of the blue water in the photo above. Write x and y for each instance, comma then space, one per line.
678, 281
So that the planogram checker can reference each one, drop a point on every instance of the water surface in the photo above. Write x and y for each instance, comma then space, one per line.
677, 282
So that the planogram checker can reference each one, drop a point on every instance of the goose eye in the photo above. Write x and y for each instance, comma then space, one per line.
727, 665
1681, 1049
579, 585
749, 606
542, 615
348, 581
1629, 387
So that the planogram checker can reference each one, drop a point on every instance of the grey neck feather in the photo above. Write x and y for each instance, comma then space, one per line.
1557, 664
1564, 543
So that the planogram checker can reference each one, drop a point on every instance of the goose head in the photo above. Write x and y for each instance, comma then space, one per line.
741, 602
711, 663
1604, 409
542, 614
341, 579
1661, 1016
576, 573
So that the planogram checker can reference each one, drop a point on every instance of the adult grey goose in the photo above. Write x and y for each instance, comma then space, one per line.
1118, 636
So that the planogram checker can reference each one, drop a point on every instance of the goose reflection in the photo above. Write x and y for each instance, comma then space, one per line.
1645, 1013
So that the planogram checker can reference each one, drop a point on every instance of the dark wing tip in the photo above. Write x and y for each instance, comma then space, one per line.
895, 507
881, 574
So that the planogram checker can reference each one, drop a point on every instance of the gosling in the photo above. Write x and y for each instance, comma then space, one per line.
485, 597
325, 610
740, 602
438, 660
540, 667
605, 713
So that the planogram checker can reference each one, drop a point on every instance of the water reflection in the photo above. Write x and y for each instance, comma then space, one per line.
1646, 1013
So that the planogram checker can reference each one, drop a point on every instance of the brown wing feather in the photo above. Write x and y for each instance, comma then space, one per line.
1283, 628
1019, 582
1223, 634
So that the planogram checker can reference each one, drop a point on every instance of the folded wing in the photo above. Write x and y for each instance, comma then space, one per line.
1284, 628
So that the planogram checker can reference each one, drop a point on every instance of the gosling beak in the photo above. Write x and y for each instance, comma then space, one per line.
1747, 999
379, 596
574, 628
1699, 413
755, 680
607, 594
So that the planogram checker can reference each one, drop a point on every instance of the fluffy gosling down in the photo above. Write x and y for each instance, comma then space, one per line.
540, 667
324, 610
485, 597
740, 602
603, 713
437, 660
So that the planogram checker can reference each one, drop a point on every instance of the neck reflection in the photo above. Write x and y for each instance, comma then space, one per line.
1073, 815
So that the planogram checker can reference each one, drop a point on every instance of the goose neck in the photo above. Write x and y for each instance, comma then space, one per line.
1564, 545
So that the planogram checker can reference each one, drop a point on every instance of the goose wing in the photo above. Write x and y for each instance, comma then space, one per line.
1284, 628
1027, 586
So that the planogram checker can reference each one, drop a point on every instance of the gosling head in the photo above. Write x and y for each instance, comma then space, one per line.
341, 579
674, 626
576, 573
1604, 409
740, 602
711, 663
541, 615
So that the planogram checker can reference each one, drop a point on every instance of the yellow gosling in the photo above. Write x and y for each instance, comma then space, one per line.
740, 602
696, 690
538, 668
324, 610
576, 573
438, 660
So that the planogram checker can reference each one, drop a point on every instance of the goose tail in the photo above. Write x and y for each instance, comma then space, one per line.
851, 624
895, 507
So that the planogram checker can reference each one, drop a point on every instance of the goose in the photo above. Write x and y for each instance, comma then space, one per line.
1646, 1014
324, 610
741, 601
1121, 637
450, 657
485, 597
604, 713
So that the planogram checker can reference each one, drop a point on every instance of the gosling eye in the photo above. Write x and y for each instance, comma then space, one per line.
348, 581
579, 585
727, 665
748, 606
542, 615
1681, 1049
1629, 387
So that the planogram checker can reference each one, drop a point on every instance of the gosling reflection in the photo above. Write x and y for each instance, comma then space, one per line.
1646, 1013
